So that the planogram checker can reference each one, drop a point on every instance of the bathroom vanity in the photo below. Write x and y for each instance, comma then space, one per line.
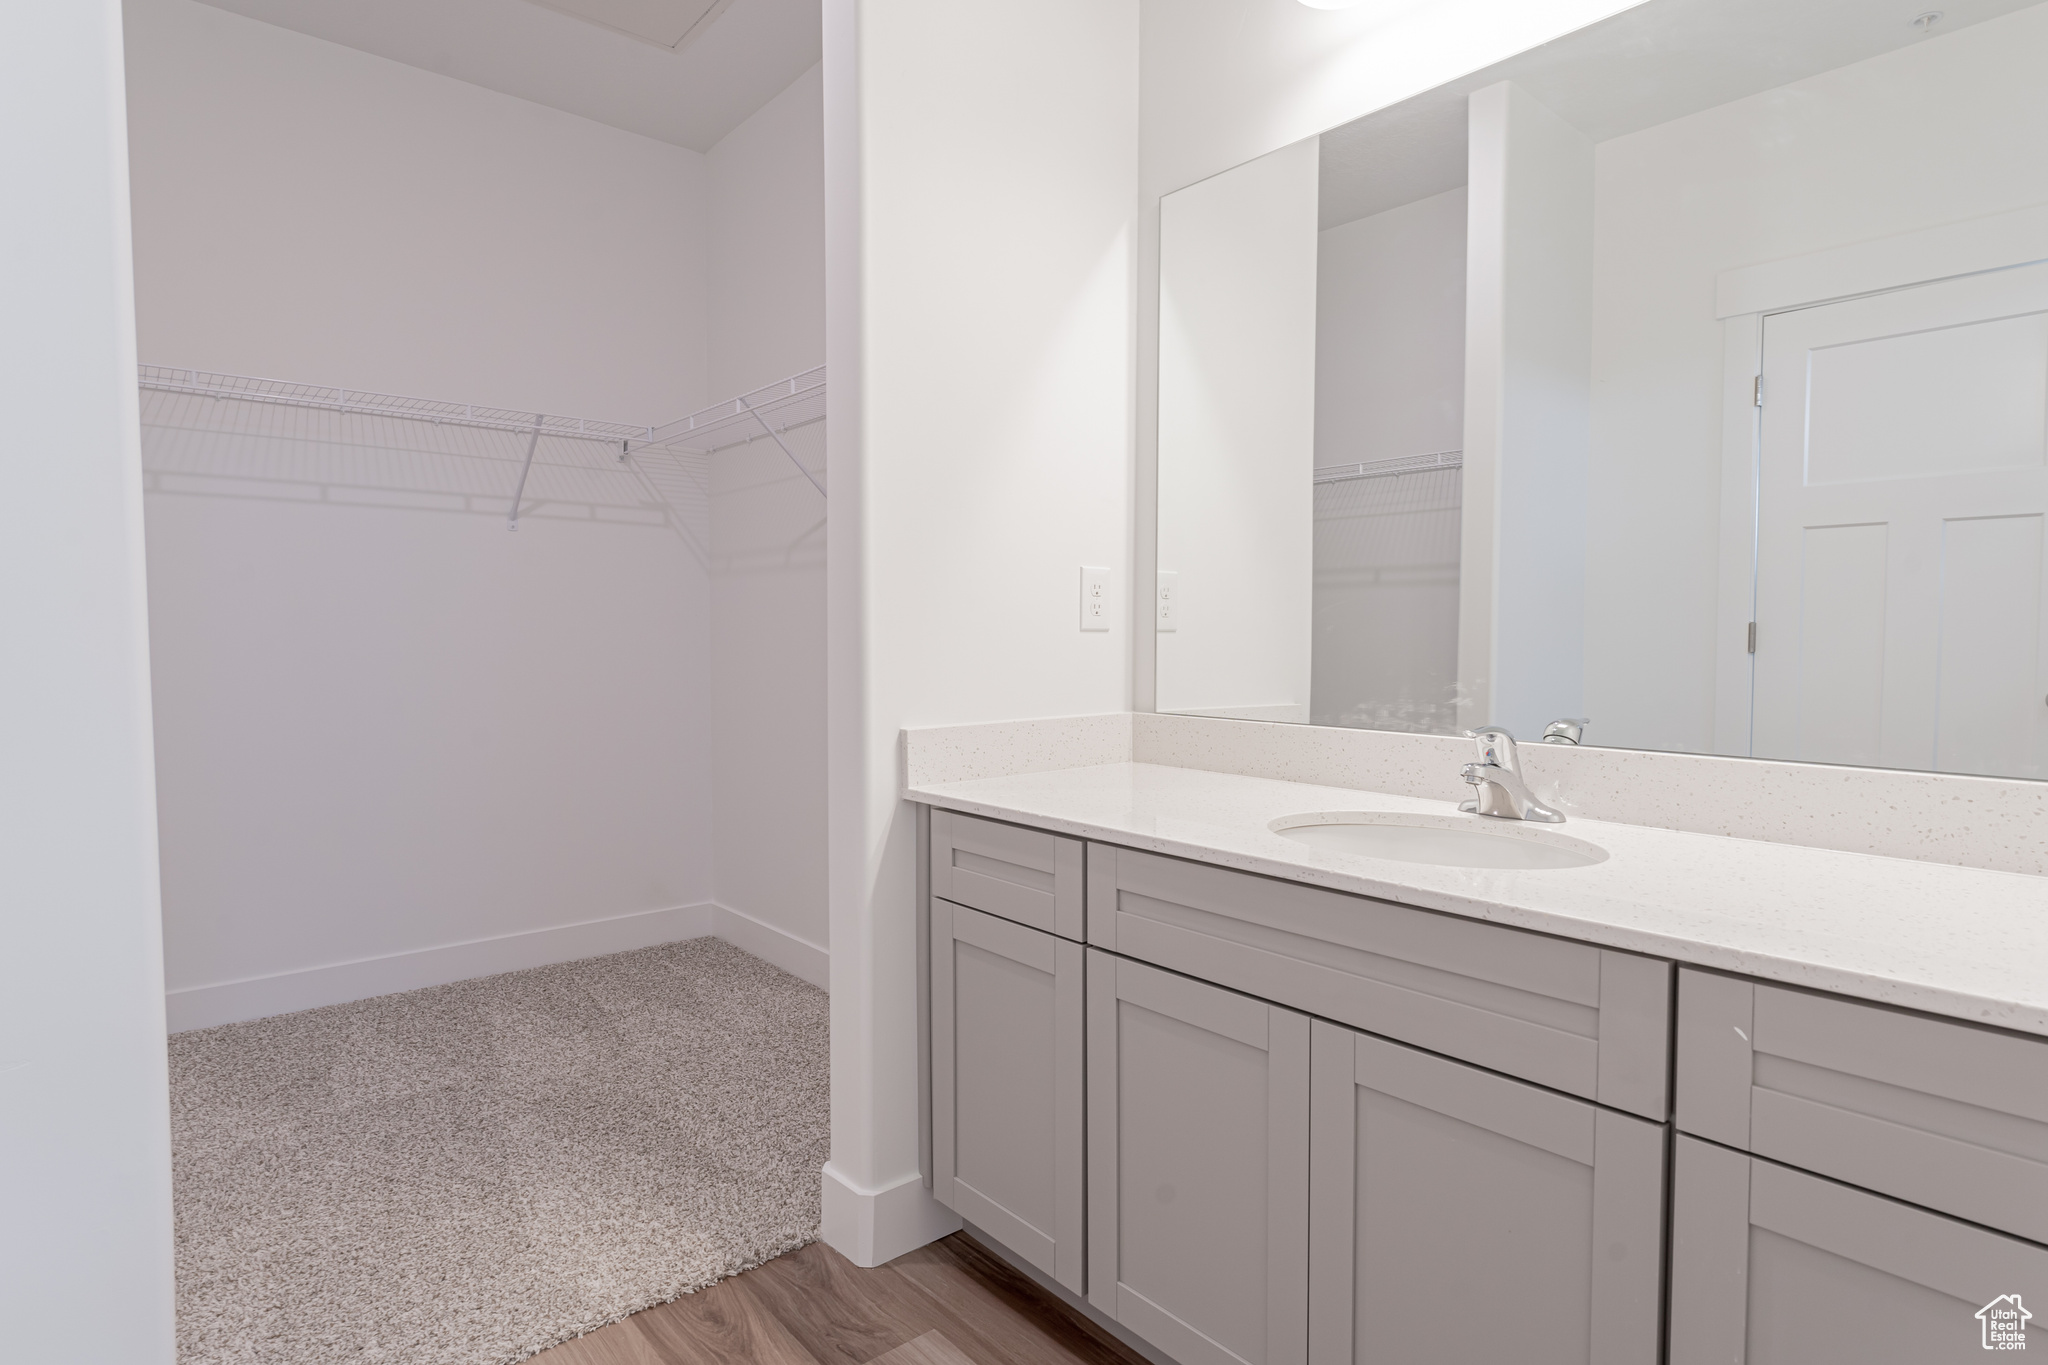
1677, 386
1265, 1099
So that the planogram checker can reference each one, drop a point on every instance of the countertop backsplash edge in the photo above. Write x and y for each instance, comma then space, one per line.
1883, 930
2000, 824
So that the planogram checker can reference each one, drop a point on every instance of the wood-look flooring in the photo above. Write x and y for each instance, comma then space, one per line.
950, 1303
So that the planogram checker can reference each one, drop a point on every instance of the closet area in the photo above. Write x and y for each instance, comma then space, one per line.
482, 405
1312, 414
1389, 457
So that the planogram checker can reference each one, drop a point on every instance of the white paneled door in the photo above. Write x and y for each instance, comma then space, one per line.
1900, 529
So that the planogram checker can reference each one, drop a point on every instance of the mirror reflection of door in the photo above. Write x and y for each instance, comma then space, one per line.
1901, 504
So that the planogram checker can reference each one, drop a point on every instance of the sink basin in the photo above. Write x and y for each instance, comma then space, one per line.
1444, 840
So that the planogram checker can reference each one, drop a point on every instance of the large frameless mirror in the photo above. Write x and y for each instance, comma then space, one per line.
1686, 377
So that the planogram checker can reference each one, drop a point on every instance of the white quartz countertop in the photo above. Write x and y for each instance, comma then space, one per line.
1958, 941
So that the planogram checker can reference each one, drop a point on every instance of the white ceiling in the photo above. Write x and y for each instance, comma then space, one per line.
1645, 66
681, 71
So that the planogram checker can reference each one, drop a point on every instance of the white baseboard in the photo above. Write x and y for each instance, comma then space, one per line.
257, 997
799, 957
874, 1227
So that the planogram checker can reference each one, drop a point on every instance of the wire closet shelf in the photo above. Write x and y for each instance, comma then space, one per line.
772, 411
775, 411
208, 384
1400, 464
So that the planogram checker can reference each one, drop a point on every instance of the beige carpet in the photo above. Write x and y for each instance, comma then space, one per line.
466, 1174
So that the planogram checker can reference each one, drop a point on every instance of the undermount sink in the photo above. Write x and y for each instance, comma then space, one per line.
1446, 841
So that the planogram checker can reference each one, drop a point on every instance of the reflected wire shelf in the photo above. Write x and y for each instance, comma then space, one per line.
1400, 464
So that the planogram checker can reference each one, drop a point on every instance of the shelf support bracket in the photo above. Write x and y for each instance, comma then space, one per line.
519, 493
776, 437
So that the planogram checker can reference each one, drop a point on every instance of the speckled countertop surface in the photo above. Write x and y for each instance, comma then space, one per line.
1957, 941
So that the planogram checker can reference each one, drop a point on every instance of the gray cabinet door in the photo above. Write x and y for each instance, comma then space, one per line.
1940, 1113
1588, 1021
1007, 1019
1456, 1215
1198, 1166
1021, 874
1772, 1266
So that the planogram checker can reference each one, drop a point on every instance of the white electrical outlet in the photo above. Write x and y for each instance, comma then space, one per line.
1169, 601
1094, 598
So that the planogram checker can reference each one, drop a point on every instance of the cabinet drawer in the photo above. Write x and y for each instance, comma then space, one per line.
1771, 1266
1942, 1114
1588, 1021
1024, 875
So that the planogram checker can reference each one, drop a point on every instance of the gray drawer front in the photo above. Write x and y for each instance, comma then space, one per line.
1024, 875
1945, 1115
1588, 1021
1772, 1266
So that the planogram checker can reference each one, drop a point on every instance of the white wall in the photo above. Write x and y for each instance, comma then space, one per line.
1237, 431
766, 283
388, 729
1943, 131
307, 211
978, 268
1390, 333
85, 1169
767, 322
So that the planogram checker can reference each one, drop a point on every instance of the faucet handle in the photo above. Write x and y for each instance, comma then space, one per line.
1569, 730
1496, 746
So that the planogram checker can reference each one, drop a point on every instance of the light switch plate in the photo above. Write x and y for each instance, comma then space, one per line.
1094, 598
1169, 601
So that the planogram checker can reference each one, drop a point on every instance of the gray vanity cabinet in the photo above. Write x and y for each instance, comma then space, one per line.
1198, 1166
1932, 1111
1460, 1215
1588, 1021
1773, 1266
1021, 874
1007, 1011
1449, 1142
1847, 1180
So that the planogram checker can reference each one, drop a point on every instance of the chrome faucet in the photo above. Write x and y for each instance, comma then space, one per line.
1497, 780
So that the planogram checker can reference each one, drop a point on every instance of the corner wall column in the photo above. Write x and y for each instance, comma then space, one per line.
1528, 398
